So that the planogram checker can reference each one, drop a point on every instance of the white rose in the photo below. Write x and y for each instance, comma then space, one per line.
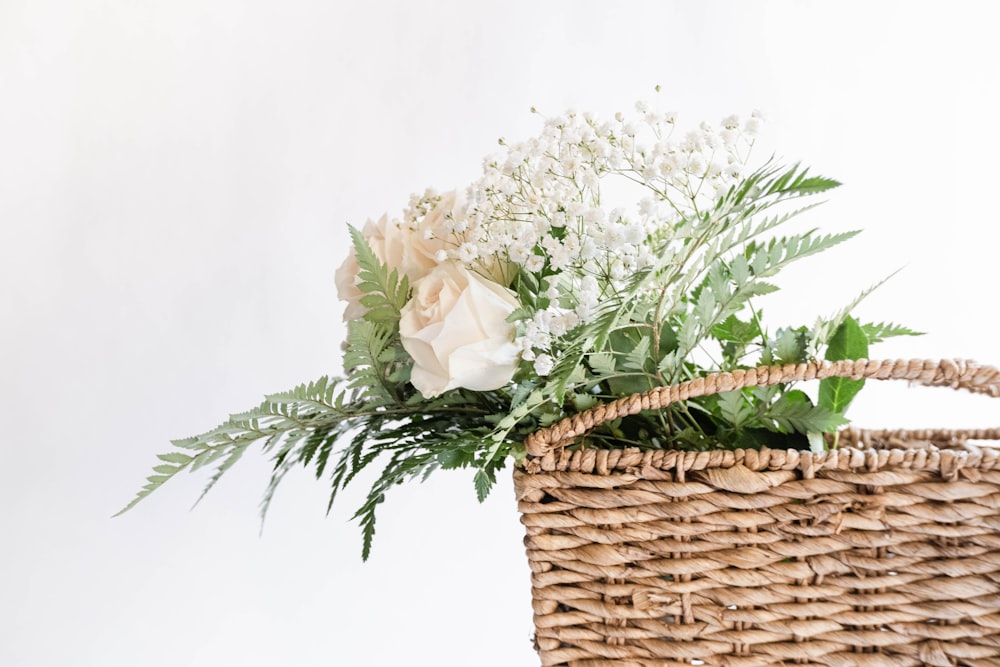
435, 233
412, 252
346, 278
455, 328
415, 251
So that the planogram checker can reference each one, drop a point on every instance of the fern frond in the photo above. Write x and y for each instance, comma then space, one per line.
369, 365
825, 328
272, 422
795, 181
878, 332
767, 260
386, 292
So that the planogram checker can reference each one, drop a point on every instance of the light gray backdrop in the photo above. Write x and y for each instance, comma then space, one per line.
175, 181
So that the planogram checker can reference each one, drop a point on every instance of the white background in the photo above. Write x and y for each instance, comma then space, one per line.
175, 183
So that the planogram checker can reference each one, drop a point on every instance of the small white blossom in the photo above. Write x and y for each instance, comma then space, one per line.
468, 252
544, 364
535, 263
696, 165
552, 292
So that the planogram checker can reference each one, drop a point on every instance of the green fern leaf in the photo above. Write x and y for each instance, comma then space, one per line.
385, 292
878, 332
484, 481
794, 412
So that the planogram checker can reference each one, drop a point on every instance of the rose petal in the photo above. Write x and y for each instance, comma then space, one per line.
485, 365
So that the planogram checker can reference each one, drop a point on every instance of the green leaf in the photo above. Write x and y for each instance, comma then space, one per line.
385, 292
638, 356
734, 335
794, 412
175, 457
877, 332
521, 313
797, 181
484, 481
849, 341
791, 346
825, 328
734, 408
770, 258
455, 458
602, 363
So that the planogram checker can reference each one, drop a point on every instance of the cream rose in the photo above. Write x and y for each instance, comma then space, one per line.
346, 276
413, 252
455, 329
434, 233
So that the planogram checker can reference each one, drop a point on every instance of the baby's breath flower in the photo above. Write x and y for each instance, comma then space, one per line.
552, 292
731, 122
556, 204
535, 263
468, 252
544, 364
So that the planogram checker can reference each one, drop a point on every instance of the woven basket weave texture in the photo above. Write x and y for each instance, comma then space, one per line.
883, 553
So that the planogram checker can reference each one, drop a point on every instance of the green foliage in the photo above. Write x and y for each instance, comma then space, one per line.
790, 347
372, 357
793, 412
849, 341
485, 479
306, 426
878, 332
385, 291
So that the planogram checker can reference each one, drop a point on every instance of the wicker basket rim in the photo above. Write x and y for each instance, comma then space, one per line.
551, 442
635, 463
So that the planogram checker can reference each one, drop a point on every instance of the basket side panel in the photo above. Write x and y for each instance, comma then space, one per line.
733, 566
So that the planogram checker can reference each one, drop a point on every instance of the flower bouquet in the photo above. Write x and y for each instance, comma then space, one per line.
589, 309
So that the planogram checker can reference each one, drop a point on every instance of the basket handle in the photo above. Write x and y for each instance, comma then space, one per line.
966, 375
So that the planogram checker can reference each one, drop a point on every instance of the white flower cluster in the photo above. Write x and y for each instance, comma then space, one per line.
580, 209
583, 206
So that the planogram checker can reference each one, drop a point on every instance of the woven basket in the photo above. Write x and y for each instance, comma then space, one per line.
880, 554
